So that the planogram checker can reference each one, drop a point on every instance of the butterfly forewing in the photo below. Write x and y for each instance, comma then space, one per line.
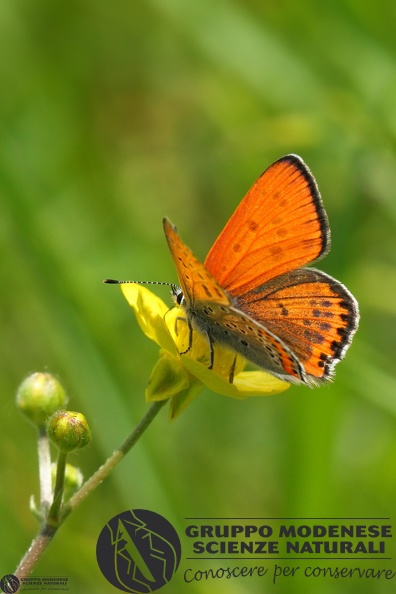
195, 280
279, 225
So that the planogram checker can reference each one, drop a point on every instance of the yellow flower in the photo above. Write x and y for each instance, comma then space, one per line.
182, 377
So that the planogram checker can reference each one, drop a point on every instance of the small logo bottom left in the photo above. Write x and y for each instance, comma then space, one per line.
9, 583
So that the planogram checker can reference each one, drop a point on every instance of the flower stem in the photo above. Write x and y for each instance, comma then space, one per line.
54, 520
44, 460
35, 551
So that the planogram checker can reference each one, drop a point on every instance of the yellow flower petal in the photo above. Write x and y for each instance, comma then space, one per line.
150, 312
259, 383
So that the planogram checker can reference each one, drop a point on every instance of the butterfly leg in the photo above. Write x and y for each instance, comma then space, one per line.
232, 371
211, 350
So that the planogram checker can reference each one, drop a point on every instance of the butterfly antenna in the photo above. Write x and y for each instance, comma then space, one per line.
112, 281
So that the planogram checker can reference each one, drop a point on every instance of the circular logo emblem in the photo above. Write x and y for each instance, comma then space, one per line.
138, 551
9, 583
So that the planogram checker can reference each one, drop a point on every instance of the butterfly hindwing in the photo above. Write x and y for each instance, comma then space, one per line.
312, 313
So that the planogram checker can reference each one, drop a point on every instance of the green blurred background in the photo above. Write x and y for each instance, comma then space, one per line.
116, 114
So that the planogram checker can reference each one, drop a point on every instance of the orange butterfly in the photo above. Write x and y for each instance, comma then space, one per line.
251, 293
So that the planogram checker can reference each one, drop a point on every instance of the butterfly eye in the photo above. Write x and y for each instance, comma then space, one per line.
177, 295
180, 299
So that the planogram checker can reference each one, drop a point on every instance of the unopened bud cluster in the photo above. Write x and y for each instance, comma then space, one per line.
42, 399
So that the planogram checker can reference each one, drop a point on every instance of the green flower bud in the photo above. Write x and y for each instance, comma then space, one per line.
68, 430
39, 396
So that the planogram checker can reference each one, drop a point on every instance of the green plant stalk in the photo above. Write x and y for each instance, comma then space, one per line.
52, 524
44, 459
